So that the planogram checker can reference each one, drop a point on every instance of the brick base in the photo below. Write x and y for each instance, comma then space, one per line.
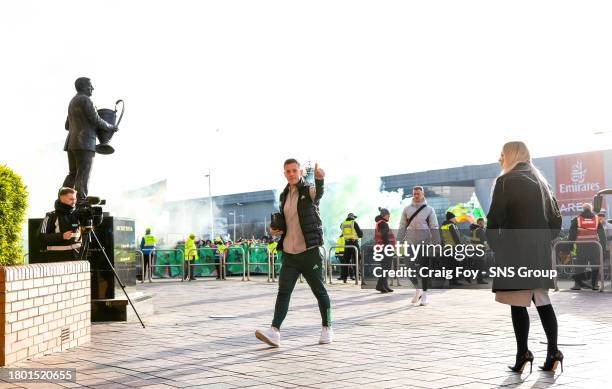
44, 308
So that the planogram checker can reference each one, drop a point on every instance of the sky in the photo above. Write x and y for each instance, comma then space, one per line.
366, 88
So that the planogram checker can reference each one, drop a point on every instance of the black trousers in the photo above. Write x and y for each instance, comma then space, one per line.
383, 281
587, 255
79, 169
148, 261
477, 262
349, 258
187, 268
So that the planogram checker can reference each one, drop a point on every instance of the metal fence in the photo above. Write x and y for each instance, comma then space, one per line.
555, 265
155, 257
356, 264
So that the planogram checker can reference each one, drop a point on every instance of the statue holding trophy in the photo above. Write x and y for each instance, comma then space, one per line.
84, 124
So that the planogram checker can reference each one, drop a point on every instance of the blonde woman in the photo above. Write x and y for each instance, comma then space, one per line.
522, 221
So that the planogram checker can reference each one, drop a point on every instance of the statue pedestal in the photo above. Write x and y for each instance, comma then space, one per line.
108, 302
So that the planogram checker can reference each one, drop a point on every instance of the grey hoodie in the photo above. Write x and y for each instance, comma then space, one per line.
424, 227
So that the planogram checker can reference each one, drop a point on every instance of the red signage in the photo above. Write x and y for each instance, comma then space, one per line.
578, 178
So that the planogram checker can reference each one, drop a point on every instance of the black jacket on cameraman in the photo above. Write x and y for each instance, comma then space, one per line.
64, 218
308, 213
83, 123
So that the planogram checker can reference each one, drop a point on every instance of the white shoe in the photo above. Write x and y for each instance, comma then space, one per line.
423, 299
270, 336
327, 335
417, 295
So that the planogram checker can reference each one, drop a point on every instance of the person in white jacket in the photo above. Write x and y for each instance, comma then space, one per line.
419, 225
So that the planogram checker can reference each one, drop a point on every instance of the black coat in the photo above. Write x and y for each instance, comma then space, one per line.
520, 229
63, 218
83, 123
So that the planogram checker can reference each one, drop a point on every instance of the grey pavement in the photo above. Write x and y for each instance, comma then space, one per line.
462, 339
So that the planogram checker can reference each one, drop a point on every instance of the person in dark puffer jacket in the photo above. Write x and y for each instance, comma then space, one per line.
300, 245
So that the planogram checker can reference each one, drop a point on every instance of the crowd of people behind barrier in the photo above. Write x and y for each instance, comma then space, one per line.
203, 256
195, 257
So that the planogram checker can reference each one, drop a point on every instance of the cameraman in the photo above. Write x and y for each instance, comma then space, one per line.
59, 230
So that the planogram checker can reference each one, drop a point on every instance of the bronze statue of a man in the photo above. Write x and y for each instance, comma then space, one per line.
82, 125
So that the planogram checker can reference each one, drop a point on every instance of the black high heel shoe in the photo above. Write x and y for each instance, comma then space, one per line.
521, 361
552, 360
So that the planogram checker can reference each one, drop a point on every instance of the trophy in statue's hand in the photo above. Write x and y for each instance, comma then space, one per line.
105, 134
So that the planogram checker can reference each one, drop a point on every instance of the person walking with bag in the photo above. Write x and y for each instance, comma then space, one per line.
419, 225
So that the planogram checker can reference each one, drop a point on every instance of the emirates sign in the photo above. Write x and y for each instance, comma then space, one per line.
578, 177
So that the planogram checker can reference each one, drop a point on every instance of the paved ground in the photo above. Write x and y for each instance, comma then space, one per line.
462, 339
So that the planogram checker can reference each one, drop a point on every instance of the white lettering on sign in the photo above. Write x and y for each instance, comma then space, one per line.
576, 188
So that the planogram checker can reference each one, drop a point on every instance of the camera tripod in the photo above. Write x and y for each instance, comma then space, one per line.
88, 233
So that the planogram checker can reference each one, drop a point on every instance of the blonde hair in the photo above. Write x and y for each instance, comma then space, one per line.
517, 152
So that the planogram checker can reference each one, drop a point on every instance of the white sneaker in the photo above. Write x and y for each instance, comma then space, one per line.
417, 295
270, 336
423, 299
327, 335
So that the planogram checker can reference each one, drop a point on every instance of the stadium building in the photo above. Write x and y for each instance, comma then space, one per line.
575, 179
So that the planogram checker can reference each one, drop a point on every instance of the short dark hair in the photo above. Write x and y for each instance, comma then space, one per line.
418, 187
479, 219
65, 190
290, 161
81, 83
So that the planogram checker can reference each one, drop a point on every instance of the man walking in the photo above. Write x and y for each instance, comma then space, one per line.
418, 225
300, 244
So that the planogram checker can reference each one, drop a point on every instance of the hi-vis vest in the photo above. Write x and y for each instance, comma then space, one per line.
474, 238
348, 230
191, 251
587, 228
447, 237
149, 240
340, 242
272, 247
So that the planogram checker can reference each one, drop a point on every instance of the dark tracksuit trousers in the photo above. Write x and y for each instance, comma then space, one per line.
308, 264
383, 282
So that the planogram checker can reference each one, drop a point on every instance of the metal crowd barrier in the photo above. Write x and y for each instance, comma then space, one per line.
395, 266
142, 269
356, 264
243, 262
249, 263
601, 260
154, 257
214, 250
